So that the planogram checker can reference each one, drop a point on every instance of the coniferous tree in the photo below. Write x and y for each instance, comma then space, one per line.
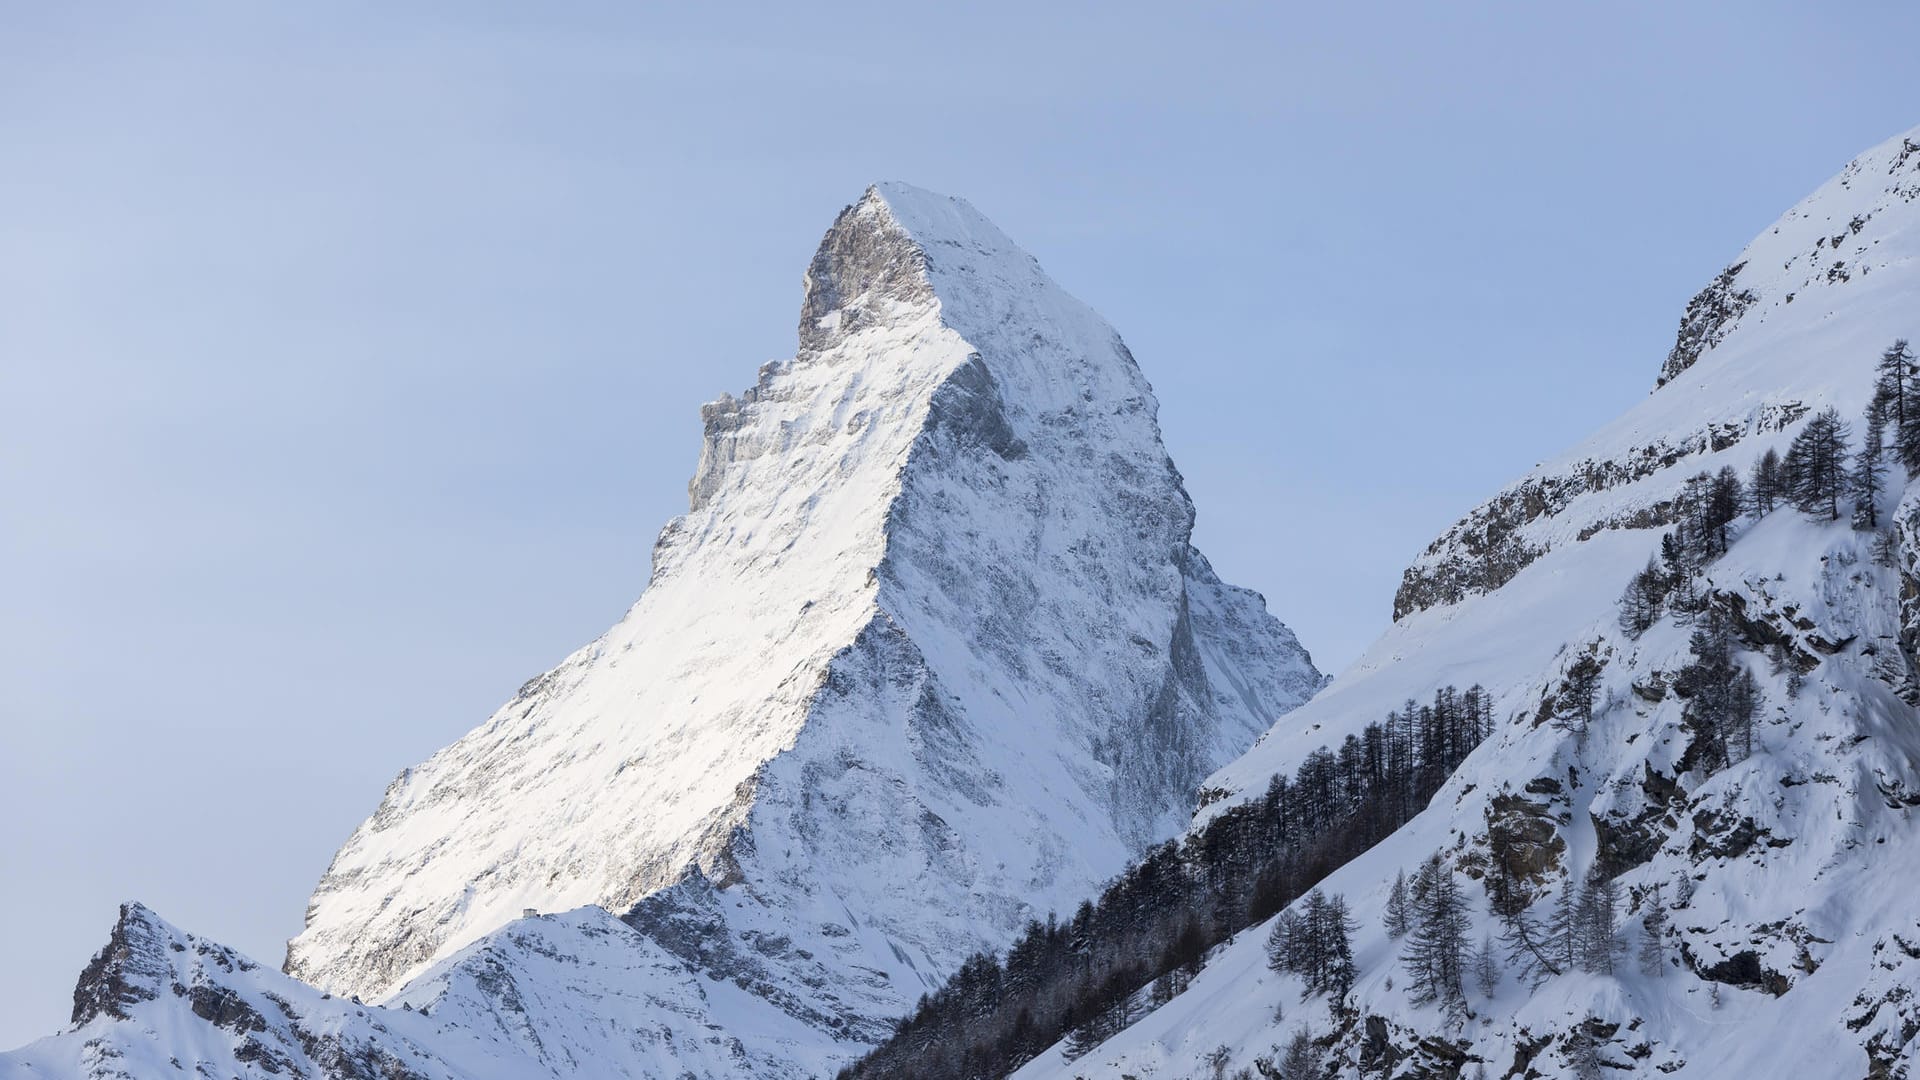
1895, 387
1435, 954
1596, 910
1767, 486
1338, 971
1690, 522
1562, 930
1170, 985
1706, 682
1507, 893
1140, 940
1653, 936
1868, 475
1726, 495
1743, 708
1573, 705
1816, 465
1486, 967
1103, 1025
1284, 942
1396, 918
1300, 1061
1674, 558
1529, 946
1683, 595
1890, 383
1703, 511
1640, 604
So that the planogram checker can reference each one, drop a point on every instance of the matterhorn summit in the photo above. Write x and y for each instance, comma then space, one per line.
929, 656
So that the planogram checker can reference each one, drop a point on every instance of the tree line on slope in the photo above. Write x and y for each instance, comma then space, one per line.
1818, 472
1137, 946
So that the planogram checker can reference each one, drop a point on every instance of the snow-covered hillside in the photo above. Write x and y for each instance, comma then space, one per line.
1794, 941
575, 994
930, 654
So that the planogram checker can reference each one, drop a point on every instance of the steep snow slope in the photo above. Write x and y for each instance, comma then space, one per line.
1794, 945
930, 654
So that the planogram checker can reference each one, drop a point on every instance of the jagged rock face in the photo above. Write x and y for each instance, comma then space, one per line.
1712, 312
1793, 931
929, 655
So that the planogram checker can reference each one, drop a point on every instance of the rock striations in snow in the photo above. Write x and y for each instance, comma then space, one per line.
929, 655
1793, 947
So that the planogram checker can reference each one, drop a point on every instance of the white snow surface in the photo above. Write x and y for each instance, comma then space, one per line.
929, 655
1821, 891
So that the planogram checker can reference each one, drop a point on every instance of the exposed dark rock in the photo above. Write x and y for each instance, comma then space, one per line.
1723, 835
1742, 969
860, 271
1710, 316
131, 968
340, 1059
1378, 1055
1525, 1050
1629, 839
1524, 838
223, 1008
967, 411
1385, 1050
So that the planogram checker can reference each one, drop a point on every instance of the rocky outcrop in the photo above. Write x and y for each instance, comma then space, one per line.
1506, 534
1709, 317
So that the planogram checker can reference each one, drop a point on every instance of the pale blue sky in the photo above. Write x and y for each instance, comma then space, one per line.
351, 357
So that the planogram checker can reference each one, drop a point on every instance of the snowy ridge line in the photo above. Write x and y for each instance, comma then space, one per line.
1137, 947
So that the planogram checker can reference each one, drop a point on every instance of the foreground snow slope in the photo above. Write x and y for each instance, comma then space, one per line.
929, 655
1795, 948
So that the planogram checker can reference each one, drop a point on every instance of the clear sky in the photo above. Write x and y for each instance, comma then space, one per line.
351, 356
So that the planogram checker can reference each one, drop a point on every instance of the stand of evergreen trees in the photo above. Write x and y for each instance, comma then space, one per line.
1086, 978
1817, 473
1578, 933
1722, 698
1315, 943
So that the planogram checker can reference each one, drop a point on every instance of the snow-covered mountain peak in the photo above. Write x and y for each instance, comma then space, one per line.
929, 655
